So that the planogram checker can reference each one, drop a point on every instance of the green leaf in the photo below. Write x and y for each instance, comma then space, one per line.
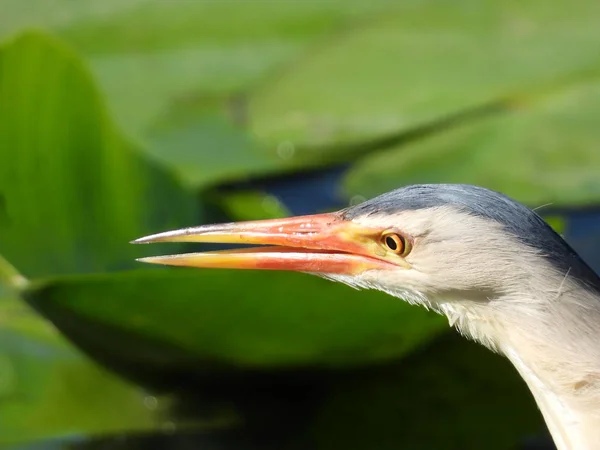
147, 53
252, 205
202, 146
543, 152
153, 25
424, 61
205, 320
10, 279
151, 56
17, 15
557, 222
48, 389
60, 394
452, 395
73, 192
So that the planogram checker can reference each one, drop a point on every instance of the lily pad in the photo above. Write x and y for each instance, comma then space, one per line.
545, 151
421, 62
48, 389
203, 147
207, 321
152, 52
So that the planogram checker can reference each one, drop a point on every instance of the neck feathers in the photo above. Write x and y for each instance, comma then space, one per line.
554, 343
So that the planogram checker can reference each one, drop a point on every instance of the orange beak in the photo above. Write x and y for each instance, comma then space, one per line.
320, 243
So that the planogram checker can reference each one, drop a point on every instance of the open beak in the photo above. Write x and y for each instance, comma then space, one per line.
320, 243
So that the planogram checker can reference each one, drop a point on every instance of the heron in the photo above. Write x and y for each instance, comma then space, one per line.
500, 274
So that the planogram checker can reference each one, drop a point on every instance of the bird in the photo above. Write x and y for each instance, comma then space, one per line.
499, 273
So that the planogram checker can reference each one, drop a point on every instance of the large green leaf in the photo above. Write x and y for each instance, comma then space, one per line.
48, 389
545, 151
424, 61
73, 192
203, 321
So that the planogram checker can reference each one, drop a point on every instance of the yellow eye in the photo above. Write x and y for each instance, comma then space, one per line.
396, 243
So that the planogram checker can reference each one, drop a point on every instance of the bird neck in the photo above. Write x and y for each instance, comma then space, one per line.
553, 344
570, 424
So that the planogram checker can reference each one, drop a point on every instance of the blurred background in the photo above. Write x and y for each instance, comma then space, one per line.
121, 118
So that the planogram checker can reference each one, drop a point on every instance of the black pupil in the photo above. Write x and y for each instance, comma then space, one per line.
391, 243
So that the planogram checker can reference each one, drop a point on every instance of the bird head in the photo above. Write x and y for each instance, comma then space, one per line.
427, 244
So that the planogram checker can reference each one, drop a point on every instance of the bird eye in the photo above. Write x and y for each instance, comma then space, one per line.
396, 243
